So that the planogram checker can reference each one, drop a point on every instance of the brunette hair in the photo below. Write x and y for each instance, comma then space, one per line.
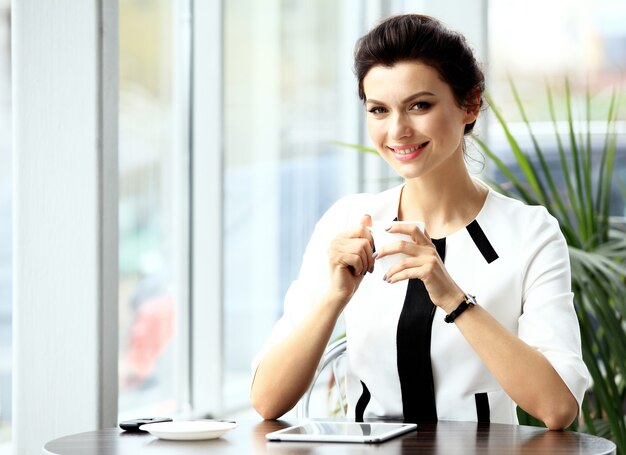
417, 37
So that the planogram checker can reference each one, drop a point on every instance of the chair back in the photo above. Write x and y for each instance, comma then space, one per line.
332, 359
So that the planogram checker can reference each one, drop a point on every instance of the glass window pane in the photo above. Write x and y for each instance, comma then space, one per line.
5, 222
148, 208
538, 43
535, 42
284, 104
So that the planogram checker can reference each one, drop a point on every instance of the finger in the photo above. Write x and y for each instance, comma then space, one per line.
354, 248
427, 235
410, 229
405, 247
365, 252
353, 262
366, 222
361, 231
358, 232
421, 266
406, 263
404, 274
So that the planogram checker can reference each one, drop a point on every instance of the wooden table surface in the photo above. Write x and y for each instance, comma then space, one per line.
458, 438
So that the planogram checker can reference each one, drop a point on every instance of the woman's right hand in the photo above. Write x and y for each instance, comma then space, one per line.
350, 258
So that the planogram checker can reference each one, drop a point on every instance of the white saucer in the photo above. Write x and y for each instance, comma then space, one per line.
188, 430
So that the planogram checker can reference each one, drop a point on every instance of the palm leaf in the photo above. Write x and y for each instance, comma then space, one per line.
523, 161
554, 193
565, 168
360, 148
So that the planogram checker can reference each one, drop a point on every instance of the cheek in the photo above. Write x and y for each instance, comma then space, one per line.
375, 131
448, 125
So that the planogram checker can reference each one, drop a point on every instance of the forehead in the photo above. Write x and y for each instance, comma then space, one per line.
403, 79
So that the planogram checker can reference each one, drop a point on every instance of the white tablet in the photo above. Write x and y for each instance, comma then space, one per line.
341, 432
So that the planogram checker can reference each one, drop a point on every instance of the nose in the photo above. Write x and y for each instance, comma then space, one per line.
400, 126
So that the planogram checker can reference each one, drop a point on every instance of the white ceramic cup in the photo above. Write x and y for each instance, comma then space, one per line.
383, 237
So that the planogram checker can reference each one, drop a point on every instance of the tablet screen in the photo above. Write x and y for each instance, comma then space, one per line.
341, 431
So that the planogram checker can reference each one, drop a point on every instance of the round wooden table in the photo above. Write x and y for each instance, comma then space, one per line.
466, 438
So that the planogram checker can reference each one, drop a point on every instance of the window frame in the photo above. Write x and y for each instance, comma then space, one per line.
65, 235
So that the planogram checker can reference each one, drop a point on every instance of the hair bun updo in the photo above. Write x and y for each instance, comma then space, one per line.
417, 37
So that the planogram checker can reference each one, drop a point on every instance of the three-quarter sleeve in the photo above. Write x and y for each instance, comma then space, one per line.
313, 278
548, 322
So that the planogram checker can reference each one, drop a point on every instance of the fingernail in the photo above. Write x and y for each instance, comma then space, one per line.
385, 278
388, 227
375, 255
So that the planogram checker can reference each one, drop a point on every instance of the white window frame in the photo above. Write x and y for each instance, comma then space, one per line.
65, 88
206, 208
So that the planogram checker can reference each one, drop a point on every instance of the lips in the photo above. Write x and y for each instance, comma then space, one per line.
408, 152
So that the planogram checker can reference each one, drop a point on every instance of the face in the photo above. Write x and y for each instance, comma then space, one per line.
413, 119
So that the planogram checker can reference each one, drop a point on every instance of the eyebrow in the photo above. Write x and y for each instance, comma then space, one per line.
408, 98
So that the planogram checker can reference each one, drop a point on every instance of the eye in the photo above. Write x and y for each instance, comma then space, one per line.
420, 106
377, 110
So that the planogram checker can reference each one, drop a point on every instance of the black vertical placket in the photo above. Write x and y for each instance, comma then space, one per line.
413, 346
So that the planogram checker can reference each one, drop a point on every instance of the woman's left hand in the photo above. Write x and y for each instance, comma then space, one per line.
424, 263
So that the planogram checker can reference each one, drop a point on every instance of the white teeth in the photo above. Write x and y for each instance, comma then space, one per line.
407, 151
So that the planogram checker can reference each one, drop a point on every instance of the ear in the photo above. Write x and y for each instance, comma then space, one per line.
472, 106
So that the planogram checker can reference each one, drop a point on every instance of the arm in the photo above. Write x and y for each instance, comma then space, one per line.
523, 372
287, 369
525, 366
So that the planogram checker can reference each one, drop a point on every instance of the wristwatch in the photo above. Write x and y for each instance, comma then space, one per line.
468, 302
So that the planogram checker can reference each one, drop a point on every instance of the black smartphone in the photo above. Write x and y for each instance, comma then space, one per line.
133, 425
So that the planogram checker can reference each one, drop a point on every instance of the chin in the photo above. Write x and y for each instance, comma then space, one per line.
409, 174
406, 172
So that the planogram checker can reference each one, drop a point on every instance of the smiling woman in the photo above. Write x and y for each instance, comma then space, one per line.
414, 330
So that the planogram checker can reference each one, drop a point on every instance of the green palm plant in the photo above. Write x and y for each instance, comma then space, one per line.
597, 245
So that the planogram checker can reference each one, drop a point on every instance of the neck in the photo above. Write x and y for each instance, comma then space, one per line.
445, 202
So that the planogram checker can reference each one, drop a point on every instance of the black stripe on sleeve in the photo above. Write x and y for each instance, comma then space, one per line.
482, 242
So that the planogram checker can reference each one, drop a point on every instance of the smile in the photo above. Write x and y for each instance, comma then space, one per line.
406, 153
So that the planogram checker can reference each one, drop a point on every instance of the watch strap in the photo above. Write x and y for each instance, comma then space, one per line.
467, 302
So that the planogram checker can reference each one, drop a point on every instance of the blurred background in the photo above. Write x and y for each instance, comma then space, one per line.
288, 93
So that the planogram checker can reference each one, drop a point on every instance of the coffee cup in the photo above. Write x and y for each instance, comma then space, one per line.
383, 237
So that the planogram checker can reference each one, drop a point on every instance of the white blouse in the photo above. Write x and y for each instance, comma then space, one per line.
512, 257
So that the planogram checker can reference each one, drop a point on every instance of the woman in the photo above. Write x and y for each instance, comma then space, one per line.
420, 347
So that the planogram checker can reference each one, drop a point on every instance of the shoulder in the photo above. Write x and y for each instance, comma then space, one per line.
520, 229
516, 215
